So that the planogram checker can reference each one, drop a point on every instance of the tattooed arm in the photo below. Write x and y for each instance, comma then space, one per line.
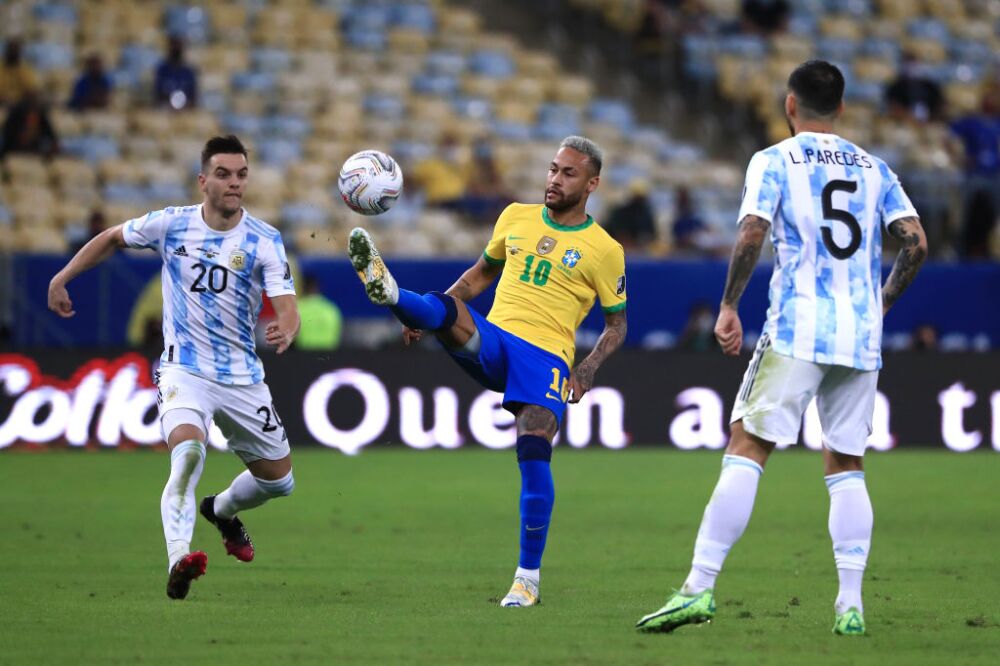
728, 329
475, 280
582, 378
910, 232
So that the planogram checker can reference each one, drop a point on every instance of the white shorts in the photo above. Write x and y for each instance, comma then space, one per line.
777, 389
245, 414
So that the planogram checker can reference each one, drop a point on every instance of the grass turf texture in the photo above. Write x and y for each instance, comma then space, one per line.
400, 557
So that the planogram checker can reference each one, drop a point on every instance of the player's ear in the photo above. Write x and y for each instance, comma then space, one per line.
791, 105
593, 183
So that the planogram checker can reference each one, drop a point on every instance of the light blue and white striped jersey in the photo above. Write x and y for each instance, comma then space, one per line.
827, 201
212, 285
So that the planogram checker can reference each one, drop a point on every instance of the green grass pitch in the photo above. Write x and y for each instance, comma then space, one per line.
399, 557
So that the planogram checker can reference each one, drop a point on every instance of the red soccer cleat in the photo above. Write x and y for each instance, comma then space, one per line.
184, 571
234, 535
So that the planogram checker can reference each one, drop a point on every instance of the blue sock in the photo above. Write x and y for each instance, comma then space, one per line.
538, 494
426, 313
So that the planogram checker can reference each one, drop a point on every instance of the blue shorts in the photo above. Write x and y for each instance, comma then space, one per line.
524, 373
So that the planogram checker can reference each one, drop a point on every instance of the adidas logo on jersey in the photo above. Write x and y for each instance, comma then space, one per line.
181, 251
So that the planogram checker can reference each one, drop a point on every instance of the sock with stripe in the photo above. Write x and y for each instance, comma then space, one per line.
850, 525
428, 312
247, 491
725, 519
177, 503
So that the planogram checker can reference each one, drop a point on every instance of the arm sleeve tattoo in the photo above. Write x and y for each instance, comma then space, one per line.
746, 252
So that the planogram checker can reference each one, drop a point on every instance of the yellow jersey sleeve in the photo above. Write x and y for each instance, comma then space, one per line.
496, 249
610, 280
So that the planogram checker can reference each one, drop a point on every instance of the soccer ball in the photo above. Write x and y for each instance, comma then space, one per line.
370, 182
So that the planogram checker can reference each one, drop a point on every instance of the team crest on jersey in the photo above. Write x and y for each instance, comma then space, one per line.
170, 393
546, 245
571, 258
238, 260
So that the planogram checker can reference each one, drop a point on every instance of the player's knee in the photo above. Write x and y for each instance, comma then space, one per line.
282, 487
533, 447
450, 309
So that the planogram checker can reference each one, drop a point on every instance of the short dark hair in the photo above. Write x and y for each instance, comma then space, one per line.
222, 145
818, 87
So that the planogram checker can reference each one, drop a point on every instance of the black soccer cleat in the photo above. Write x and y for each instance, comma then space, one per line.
184, 571
234, 535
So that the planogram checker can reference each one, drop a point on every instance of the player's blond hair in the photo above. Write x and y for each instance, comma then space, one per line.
582, 144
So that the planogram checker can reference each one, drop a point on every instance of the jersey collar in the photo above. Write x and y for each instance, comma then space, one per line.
239, 225
562, 227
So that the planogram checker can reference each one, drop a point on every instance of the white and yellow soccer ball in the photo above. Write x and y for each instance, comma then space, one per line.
370, 182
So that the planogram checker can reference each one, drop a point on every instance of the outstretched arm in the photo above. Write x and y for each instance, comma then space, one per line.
99, 248
582, 378
285, 326
908, 261
746, 252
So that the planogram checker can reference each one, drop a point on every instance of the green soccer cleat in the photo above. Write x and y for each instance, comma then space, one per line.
367, 262
680, 609
850, 623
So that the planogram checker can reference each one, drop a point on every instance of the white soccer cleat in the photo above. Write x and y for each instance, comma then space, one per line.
524, 592
379, 283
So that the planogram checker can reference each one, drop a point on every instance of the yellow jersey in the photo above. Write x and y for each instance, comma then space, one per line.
551, 276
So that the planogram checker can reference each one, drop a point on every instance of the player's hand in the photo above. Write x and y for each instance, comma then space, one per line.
581, 380
411, 335
277, 337
59, 301
729, 331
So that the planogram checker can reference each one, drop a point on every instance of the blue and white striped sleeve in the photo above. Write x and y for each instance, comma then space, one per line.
895, 204
278, 279
146, 231
762, 189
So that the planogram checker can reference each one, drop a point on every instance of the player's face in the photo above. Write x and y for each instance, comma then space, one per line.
571, 179
224, 182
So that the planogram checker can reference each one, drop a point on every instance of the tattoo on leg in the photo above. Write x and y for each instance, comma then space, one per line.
535, 419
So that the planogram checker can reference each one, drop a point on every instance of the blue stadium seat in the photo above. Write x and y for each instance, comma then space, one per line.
835, 48
366, 16
138, 58
388, 107
243, 124
47, 56
287, 126
410, 152
173, 192
303, 214
886, 49
279, 152
412, 15
472, 107
857, 8
124, 193
699, 57
270, 60
435, 84
188, 21
258, 82
5, 217
90, 148
929, 28
612, 112
974, 53
494, 64
55, 12
509, 130
445, 62
870, 92
745, 46
368, 40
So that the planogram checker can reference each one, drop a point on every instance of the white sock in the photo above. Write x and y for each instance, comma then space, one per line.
726, 516
851, 531
532, 574
177, 504
247, 491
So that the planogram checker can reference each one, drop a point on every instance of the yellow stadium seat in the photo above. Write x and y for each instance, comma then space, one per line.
26, 170
69, 173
